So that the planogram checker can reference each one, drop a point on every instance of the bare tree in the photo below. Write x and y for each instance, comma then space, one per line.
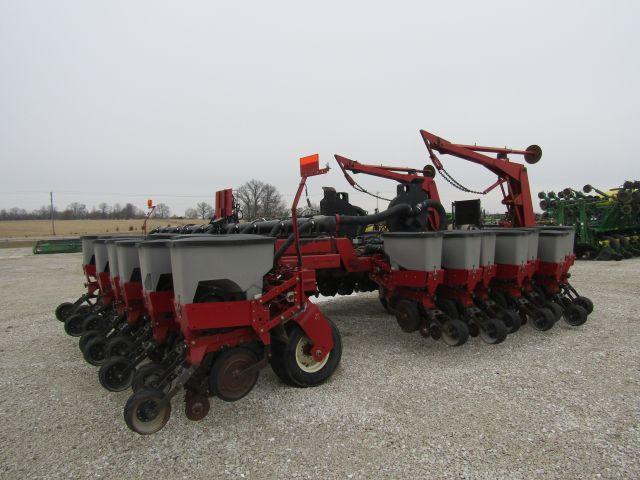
204, 210
163, 210
259, 199
191, 213
78, 210
104, 209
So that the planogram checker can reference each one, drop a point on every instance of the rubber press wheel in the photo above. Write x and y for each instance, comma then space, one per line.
585, 303
575, 315
543, 319
455, 332
94, 352
148, 375
511, 320
493, 331
146, 412
73, 325
116, 374
64, 310
86, 336
118, 346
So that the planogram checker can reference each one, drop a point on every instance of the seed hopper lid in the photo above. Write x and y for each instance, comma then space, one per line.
155, 243
221, 240
127, 242
89, 237
553, 233
462, 233
412, 234
508, 232
120, 239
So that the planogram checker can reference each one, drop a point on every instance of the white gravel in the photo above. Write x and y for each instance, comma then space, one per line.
560, 404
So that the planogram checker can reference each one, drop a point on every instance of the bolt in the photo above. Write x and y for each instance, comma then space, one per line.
318, 353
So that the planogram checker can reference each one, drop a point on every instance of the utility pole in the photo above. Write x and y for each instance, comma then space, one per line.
53, 225
377, 198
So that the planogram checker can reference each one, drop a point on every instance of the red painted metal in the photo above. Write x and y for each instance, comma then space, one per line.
224, 203
517, 197
159, 306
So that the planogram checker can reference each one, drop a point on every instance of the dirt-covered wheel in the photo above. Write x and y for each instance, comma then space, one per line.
116, 374
119, 346
299, 364
64, 310
148, 376
575, 315
93, 321
73, 325
407, 315
234, 373
196, 406
585, 303
511, 320
542, 319
455, 332
147, 411
94, 352
493, 331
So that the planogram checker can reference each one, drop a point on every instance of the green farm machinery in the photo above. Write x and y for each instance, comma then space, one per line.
58, 245
607, 223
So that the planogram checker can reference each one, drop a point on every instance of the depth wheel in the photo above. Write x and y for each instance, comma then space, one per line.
301, 366
542, 319
455, 332
146, 412
511, 320
116, 374
73, 325
448, 307
93, 351
493, 331
575, 315
407, 315
64, 310
556, 310
585, 303
229, 378
148, 376
92, 321
119, 346
86, 336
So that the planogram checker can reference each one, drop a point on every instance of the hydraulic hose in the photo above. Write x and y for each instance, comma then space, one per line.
437, 206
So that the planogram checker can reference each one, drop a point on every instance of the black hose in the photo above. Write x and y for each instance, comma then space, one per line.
302, 228
437, 206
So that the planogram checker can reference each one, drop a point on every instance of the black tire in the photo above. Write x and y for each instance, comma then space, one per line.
407, 315
542, 319
145, 412
116, 374
556, 310
73, 325
119, 346
222, 381
92, 321
500, 298
309, 374
575, 315
83, 310
493, 331
455, 332
86, 336
94, 351
64, 310
277, 363
511, 320
148, 376
585, 303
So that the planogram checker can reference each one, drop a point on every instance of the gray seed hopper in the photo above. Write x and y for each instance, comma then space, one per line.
87, 249
155, 263
461, 249
487, 248
414, 250
512, 246
553, 245
128, 260
230, 263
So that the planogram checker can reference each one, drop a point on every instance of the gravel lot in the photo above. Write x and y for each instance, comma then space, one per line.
560, 404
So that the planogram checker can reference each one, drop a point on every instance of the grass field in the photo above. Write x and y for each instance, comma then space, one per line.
42, 228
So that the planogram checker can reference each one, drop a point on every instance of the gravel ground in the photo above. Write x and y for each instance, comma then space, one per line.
560, 404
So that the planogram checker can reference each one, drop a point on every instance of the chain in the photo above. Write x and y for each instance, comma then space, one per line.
447, 176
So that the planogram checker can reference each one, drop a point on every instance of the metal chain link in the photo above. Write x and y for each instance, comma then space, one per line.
447, 176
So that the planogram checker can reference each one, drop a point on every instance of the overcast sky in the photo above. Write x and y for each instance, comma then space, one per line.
104, 100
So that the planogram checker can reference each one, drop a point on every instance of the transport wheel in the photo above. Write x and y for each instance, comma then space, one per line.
511, 320
493, 331
148, 375
64, 310
277, 363
555, 309
455, 332
407, 315
86, 336
119, 346
196, 406
585, 303
73, 325
116, 374
94, 350
542, 319
146, 412
300, 365
575, 315
92, 321
229, 379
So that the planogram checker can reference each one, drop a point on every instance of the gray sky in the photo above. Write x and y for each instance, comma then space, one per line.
185, 98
